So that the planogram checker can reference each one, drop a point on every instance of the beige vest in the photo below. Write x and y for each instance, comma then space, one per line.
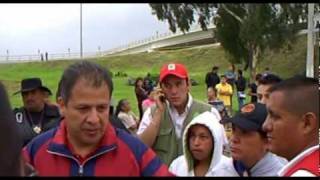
166, 145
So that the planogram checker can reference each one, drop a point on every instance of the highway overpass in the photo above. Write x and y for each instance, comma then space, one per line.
196, 36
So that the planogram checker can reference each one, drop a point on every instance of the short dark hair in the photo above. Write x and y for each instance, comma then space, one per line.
91, 72
258, 77
301, 94
267, 79
215, 68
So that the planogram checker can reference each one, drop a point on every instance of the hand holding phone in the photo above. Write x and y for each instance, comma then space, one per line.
160, 99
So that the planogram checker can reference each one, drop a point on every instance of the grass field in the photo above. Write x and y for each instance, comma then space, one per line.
198, 61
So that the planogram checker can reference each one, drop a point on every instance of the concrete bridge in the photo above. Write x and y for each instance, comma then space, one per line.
195, 36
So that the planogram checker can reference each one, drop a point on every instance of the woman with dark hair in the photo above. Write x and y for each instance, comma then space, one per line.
127, 117
141, 94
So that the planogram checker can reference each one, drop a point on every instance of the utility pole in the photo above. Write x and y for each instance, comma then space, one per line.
310, 47
81, 50
7, 54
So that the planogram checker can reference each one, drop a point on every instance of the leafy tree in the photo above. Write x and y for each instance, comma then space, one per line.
244, 30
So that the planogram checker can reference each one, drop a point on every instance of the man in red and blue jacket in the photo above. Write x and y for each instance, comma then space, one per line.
119, 154
85, 143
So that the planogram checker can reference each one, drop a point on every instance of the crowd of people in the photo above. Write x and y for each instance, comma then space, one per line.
85, 134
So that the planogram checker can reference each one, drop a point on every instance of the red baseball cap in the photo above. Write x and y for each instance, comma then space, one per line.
176, 69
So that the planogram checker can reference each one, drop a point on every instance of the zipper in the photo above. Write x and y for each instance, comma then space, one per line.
94, 156
80, 171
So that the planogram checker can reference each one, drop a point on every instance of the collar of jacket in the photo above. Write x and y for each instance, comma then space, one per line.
58, 144
51, 110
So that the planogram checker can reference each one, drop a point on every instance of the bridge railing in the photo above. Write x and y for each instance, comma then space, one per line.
52, 56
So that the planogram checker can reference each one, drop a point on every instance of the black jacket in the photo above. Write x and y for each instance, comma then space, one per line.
241, 84
51, 118
212, 79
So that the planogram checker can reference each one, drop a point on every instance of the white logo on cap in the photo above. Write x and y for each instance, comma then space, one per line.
171, 66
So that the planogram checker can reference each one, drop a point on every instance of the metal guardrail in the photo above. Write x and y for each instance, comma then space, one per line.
54, 56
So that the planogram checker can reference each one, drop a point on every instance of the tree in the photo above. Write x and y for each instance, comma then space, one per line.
244, 30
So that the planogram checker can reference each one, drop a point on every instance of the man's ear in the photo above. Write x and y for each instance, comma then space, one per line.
188, 81
310, 123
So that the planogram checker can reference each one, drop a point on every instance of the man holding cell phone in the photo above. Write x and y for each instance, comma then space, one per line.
162, 125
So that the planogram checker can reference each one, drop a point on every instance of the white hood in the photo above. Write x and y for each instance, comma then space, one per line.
211, 121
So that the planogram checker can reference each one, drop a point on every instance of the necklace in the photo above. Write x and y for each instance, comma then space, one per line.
35, 127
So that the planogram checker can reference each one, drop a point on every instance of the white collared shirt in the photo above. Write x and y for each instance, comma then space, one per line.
177, 118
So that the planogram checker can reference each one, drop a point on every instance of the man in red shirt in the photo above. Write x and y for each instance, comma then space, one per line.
85, 143
292, 125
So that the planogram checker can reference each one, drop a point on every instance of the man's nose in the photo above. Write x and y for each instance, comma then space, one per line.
174, 90
93, 116
266, 125
234, 139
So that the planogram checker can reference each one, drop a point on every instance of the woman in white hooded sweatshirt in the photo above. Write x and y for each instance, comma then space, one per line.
202, 148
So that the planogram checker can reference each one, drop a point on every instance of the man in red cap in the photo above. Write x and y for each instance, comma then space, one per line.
162, 125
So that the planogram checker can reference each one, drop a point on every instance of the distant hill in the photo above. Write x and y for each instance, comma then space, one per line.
286, 62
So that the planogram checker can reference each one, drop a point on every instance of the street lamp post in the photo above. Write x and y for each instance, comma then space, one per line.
81, 50
310, 48
7, 54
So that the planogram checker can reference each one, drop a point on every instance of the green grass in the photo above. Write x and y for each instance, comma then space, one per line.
198, 61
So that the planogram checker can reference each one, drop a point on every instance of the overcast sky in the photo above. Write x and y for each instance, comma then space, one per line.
25, 28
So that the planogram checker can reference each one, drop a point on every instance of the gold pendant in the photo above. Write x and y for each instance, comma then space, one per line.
37, 129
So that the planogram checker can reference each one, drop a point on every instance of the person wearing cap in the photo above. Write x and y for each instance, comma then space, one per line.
212, 78
248, 144
162, 125
36, 116
265, 82
292, 125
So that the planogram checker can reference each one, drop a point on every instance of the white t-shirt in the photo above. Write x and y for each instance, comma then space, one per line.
127, 119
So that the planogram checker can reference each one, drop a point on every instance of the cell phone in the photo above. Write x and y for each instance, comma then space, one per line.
162, 98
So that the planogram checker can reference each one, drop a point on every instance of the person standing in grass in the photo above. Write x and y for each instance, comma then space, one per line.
212, 78
224, 93
141, 94
241, 86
